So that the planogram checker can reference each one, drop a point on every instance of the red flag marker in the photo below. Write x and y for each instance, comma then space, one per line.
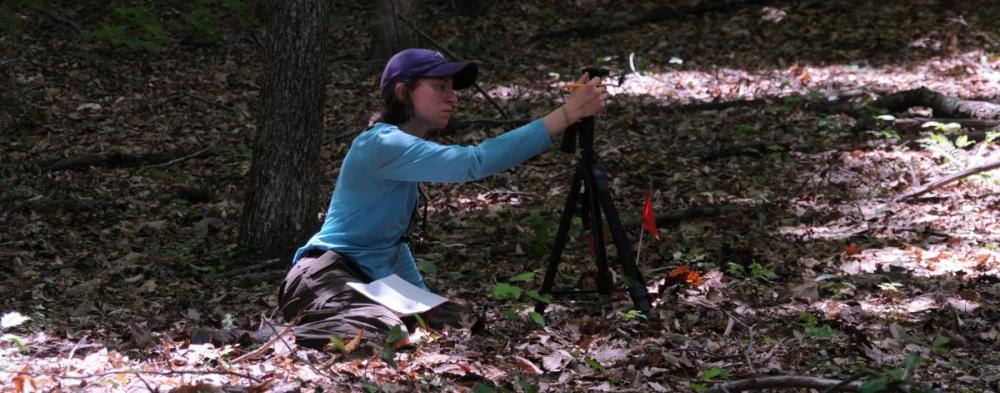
649, 218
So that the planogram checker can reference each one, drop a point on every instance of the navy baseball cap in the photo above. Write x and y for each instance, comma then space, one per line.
425, 63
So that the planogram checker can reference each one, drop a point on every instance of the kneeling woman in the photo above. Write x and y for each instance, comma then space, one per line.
377, 190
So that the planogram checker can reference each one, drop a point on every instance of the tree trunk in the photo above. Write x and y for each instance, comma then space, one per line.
283, 199
390, 33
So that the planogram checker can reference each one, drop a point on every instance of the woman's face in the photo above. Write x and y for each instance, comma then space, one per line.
433, 102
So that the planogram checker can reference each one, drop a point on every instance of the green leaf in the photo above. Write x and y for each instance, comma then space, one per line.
523, 277
912, 360
546, 298
395, 335
202, 269
483, 388
389, 355
528, 387
502, 290
538, 318
420, 321
963, 141
940, 341
737, 270
950, 127
21, 345
428, 268
715, 372
594, 364
337, 342
370, 388
879, 384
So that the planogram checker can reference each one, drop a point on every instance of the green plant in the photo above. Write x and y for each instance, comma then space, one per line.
9, 23
427, 268
758, 272
512, 291
394, 337
710, 375
939, 145
745, 129
134, 27
542, 225
886, 132
812, 329
631, 315
199, 23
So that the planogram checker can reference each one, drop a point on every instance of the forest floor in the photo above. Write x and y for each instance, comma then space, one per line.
804, 263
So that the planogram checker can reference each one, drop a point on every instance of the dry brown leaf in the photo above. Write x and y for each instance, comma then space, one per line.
353, 344
527, 366
21, 381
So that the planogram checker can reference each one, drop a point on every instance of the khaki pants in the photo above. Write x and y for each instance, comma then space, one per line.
315, 291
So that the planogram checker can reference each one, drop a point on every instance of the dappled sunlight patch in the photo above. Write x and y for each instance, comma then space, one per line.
936, 260
979, 71
897, 305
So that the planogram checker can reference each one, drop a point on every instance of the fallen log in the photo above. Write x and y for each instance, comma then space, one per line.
948, 179
910, 123
783, 382
943, 106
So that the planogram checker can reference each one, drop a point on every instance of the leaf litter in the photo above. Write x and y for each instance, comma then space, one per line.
108, 268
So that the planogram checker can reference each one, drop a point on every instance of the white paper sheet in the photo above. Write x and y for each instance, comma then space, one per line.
399, 295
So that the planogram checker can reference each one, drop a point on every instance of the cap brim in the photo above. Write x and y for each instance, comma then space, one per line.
463, 74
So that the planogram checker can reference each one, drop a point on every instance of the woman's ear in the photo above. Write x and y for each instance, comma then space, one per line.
400, 92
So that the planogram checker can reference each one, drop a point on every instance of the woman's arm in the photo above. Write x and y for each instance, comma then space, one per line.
585, 101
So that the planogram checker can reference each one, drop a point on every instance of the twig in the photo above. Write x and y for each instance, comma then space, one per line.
948, 179
257, 352
749, 347
847, 381
145, 383
78, 344
778, 382
452, 55
176, 160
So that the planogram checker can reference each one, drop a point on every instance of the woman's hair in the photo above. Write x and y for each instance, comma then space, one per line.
396, 111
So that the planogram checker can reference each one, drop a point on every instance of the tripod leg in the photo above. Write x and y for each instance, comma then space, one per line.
633, 278
597, 233
561, 237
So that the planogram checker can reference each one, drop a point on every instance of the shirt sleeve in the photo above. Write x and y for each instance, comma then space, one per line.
405, 157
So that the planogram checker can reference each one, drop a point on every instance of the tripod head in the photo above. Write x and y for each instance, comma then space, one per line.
582, 132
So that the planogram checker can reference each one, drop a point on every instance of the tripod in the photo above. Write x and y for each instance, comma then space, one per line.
590, 194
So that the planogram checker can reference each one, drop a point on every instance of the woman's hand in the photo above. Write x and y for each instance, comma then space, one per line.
587, 100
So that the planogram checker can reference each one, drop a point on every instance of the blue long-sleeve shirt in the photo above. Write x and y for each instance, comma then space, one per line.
377, 190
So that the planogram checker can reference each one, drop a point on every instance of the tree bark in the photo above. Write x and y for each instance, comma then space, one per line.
283, 199
392, 34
